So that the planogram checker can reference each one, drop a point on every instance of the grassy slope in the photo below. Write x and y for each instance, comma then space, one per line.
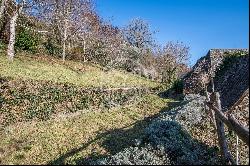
86, 75
74, 138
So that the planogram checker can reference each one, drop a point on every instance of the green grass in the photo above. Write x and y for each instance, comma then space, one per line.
86, 75
74, 138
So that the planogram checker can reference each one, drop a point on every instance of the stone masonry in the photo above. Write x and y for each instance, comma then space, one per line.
231, 84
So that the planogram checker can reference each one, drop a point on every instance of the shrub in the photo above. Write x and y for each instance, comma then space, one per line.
27, 40
178, 86
51, 47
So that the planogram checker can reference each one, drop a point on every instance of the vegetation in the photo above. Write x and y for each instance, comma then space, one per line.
74, 137
178, 86
229, 60
20, 101
74, 30
27, 41
75, 89
85, 75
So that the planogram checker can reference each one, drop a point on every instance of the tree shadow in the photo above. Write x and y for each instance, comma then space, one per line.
116, 140
171, 94
113, 141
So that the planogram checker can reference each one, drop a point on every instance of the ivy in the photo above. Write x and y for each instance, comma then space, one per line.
229, 59
48, 98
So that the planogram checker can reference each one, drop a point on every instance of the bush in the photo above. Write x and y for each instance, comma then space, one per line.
178, 86
27, 41
52, 48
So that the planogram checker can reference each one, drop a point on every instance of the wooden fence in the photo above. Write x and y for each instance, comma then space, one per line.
220, 118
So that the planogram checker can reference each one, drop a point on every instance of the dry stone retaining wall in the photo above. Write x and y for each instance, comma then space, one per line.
231, 83
206, 68
23, 100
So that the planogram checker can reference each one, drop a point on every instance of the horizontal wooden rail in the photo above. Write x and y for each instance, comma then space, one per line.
246, 93
232, 123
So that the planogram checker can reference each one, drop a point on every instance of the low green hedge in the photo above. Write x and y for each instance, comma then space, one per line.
23, 100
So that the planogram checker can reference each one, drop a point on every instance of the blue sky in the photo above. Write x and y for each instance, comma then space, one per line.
200, 24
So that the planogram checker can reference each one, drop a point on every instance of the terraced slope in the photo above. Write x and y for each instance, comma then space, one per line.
85, 75
75, 137
57, 113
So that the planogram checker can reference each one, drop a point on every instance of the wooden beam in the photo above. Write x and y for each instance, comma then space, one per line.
233, 124
221, 132
246, 92
242, 131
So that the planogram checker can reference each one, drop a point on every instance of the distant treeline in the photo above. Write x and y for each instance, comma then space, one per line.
72, 29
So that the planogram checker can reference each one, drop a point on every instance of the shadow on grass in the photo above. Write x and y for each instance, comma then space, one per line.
171, 94
116, 140
113, 141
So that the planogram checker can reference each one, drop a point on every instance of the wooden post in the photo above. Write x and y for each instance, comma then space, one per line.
220, 131
212, 82
210, 111
232, 123
237, 150
240, 130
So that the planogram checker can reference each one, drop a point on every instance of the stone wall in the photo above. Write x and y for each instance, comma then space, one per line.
195, 80
231, 83
218, 55
205, 68
241, 111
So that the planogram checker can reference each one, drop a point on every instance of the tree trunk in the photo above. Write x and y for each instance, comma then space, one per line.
64, 50
12, 39
84, 51
2, 8
64, 40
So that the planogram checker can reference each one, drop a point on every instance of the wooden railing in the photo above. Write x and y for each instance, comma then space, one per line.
220, 118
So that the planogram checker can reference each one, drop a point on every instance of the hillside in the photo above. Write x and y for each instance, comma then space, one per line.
54, 112
80, 88
72, 138
49, 116
37, 88
85, 75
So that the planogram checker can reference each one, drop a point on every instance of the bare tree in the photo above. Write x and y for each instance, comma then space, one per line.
179, 51
172, 61
2, 8
16, 10
66, 18
138, 34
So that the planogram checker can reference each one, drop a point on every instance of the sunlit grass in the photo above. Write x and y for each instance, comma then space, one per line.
91, 134
86, 75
